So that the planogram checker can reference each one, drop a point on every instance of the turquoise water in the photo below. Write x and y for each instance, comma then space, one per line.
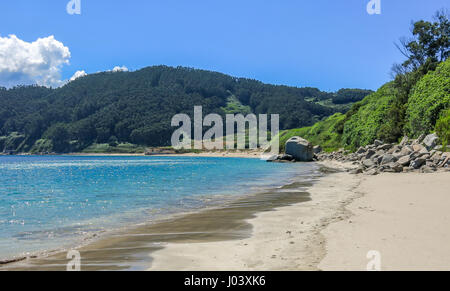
51, 202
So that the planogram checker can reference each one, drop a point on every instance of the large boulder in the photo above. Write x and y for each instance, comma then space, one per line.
300, 149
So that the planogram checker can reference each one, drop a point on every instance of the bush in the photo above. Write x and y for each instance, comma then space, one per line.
443, 128
370, 120
430, 97
324, 133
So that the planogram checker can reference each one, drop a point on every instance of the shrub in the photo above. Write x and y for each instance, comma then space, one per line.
443, 128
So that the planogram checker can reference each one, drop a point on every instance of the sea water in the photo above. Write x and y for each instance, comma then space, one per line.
52, 202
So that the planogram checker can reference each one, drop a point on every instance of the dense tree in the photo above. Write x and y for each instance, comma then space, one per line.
137, 107
344, 96
429, 45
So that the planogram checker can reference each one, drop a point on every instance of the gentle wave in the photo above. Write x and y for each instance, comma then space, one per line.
51, 202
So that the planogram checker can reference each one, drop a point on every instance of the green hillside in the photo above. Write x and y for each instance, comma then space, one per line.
429, 98
122, 108
327, 133
368, 122
427, 110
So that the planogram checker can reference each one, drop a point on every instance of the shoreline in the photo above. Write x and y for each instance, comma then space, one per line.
347, 217
214, 223
245, 154
276, 235
327, 224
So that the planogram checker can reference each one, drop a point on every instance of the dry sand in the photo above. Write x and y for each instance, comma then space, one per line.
404, 217
217, 154
223, 154
285, 239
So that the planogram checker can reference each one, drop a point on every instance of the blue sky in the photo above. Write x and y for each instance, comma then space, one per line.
319, 43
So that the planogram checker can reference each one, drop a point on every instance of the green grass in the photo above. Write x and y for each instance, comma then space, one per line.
124, 148
325, 133
234, 106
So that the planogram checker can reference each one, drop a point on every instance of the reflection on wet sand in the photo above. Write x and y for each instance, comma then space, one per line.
130, 250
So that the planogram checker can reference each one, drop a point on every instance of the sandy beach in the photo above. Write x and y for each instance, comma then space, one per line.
404, 217
288, 238
330, 224
223, 154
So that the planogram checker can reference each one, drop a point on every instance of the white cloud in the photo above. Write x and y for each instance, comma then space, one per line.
120, 69
37, 62
77, 75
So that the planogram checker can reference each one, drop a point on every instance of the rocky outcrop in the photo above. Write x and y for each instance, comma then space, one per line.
300, 149
421, 155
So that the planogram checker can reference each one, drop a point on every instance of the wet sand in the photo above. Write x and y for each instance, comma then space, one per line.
288, 238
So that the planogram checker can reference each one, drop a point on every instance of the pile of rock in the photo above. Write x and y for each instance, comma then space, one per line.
422, 155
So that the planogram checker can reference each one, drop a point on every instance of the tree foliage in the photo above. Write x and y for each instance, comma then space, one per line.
137, 107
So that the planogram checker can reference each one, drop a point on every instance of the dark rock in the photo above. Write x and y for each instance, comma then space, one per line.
317, 149
388, 158
404, 161
384, 147
417, 163
419, 139
369, 154
361, 150
286, 157
377, 143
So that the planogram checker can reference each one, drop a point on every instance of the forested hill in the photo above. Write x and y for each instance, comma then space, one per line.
137, 107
